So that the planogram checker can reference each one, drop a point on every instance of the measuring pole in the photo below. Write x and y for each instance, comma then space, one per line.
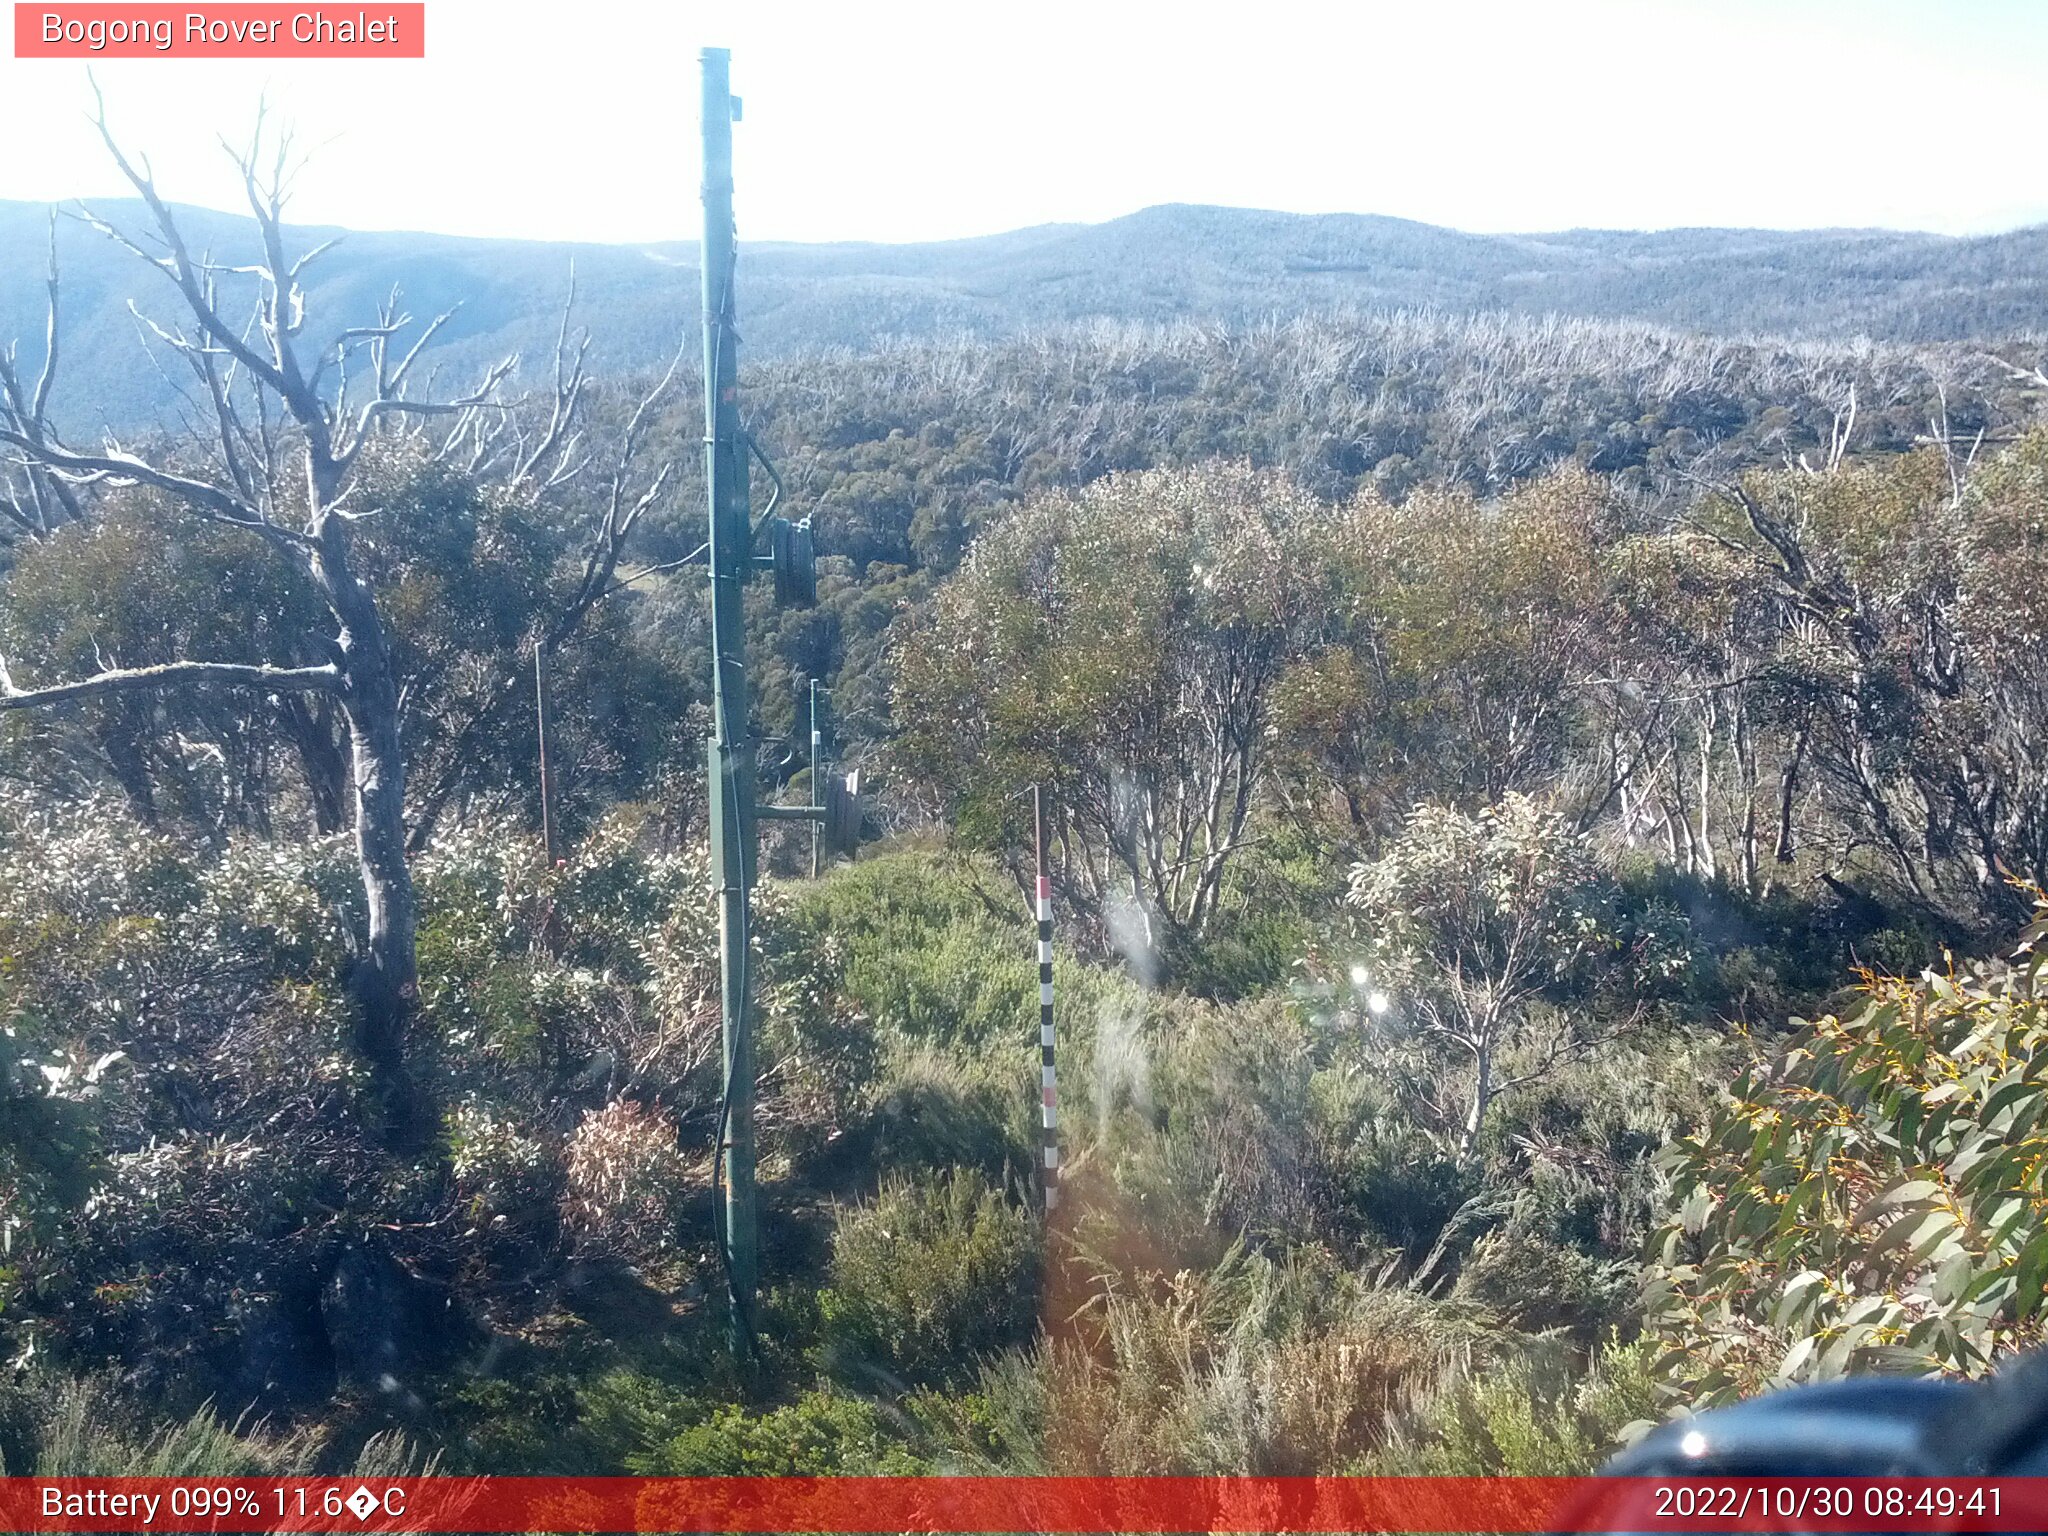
729, 775
817, 773
1049, 1094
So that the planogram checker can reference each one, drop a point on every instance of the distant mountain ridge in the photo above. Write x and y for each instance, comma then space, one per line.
1166, 263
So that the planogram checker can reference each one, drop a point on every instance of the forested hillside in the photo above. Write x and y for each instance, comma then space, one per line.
1166, 264
1548, 823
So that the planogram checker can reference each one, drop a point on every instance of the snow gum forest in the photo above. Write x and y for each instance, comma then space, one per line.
1547, 820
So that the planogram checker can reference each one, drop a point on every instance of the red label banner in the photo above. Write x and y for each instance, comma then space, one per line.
1066, 1505
224, 31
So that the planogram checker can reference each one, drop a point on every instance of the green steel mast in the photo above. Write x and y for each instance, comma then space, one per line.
729, 774
835, 807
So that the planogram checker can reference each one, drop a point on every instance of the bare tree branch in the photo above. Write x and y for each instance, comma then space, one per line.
28, 411
171, 674
113, 465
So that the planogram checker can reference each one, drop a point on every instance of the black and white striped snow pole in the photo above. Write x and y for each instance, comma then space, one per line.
1049, 1094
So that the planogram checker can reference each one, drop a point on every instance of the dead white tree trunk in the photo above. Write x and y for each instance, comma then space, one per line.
281, 457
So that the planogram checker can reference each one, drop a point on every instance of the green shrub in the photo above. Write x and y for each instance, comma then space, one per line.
822, 1434
936, 1109
1533, 1416
1536, 1284
626, 1184
89, 1431
1249, 1368
930, 1275
518, 1420
935, 947
1407, 1188
1212, 1123
624, 1415
1874, 1198
1279, 895
510, 1181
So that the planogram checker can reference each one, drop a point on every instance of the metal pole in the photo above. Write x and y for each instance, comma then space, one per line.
730, 764
1049, 1094
547, 783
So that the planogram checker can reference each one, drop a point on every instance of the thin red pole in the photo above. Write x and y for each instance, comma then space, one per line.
1049, 1112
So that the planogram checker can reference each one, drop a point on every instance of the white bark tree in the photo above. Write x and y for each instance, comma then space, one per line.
1472, 922
291, 419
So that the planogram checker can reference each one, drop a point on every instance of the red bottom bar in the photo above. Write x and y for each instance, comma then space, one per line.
1047, 1504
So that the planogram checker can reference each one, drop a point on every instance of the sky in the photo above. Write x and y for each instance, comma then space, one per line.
915, 121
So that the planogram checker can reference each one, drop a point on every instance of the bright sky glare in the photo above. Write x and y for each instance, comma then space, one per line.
908, 120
